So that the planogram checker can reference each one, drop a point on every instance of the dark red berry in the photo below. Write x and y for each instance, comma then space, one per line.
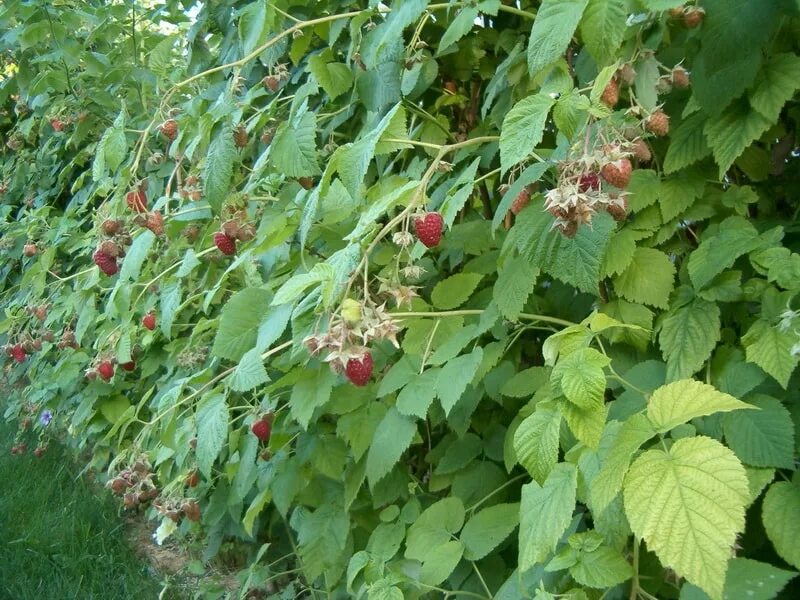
429, 228
107, 264
137, 200
359, 370
589, 182
106, 370
129, 366
18, 353
262, 429
226, 244
149, 321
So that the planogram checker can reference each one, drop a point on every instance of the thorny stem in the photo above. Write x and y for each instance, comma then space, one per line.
635, 580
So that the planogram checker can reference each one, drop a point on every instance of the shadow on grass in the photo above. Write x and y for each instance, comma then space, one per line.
60, 537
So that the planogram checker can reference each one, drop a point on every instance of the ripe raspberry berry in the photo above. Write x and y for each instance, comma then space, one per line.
110, 227
136, 200
29, 250
617, 173
110, 248
149, 321
192, 479
129, 366
155, 222
169, 129
38, 452
57, 124
589, 182
106, 370
521, 201
262, 429
107, 264
618, 208
610, 95
429, 228
693, 17
18, 353
358, 371
658, 123
226, 245
240, 136
680, 78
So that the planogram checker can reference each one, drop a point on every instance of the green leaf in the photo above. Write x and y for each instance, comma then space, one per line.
212, 430
644, 189
568, 113
687, 143
574, 261
239, 323
396, 129
514, 285
761, 438
603, 29
526, 382
688, 505
392, 437
459, 454
781, 516
689, 333
440, 561
253, 27
434, 527
218, 172
635, 431
293, 150
488, 528
771, 349
648, 279
586, 424
680, 192
273, 325
545, 514
730, 134
136, 255
455, 290
334, 77
755, 580
523, 126
736, 236
416, 397
681, 401
536, 441
311, 392
601, 568
581, 377
455, 376
460, 26
556, 21
775, 85
249, 373
169, 302
531, 174
255, 508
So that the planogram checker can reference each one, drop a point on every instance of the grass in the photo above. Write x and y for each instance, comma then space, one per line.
61, 537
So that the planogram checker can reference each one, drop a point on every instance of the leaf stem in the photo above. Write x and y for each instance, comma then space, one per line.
475, 312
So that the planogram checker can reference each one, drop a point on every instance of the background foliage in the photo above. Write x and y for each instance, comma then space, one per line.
578, 405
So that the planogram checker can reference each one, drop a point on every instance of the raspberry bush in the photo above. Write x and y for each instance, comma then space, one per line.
482, 299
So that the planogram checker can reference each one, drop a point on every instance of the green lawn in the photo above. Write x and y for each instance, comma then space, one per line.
61, 538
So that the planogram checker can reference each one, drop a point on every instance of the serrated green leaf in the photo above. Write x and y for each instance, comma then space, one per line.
771, 349
249, 373
488, 528
603, 27
514, 285
311, 393
392, 437
523, 127
586, 424
455, 376
736, 236
689, 333
732, 132
218, 172
460, 26
536, 441
601, 568
648, 279
781, 516
212, 430
545, 513
334, 77
681, 401
136, 255
293, 150
434, 527
455, 290
775, 85
678, 193
688, 506
417, 396
764, 437
687, 143
253, 27
556, 21
644, 188
238, 326
581, 378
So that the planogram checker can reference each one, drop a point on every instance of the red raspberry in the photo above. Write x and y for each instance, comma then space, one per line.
111, 227
617, 173
240, 136
521, 201
658, 123
107, 264
129, 366
610, 95
18, 353
29, 250
271, 82
429, 228
149, 321
262, 429
137, 200
106, 370
226, 244
155, 222
358, 371
169, 129
589, 182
